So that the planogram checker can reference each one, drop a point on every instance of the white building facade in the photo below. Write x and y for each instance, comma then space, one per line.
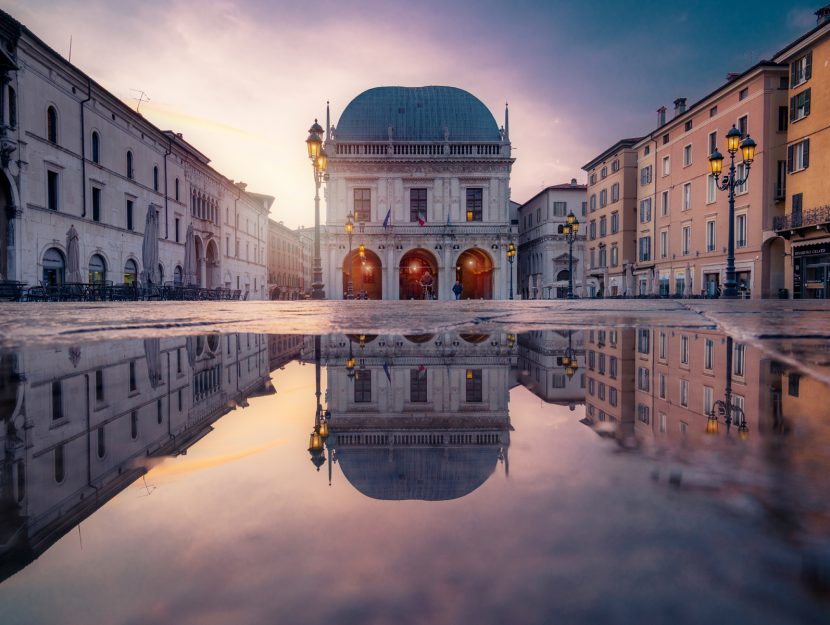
73, 154
425, 173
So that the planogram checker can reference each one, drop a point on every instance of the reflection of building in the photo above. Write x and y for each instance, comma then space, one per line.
283, 348
609, 377
426, 174
418, 417
285, 262
544, 370
80, 424
73, 154
543, 252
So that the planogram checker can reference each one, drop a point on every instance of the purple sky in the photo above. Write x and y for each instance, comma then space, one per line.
243, 80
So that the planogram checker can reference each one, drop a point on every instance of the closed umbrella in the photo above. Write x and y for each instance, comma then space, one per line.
629, 281
73, 254
689, 291
150, 247
656, 286
152, 351
189, 257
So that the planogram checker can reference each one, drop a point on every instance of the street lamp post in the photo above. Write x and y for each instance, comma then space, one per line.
349, 229
511, 255
729, 183
319, 162
570, 229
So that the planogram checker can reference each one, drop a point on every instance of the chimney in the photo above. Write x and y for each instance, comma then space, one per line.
661, 116
679, 106
731, 76
823, 15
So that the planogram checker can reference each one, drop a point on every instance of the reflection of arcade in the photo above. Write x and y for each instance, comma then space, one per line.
414, 282
81, 424
421, 417
550, 364
474, 270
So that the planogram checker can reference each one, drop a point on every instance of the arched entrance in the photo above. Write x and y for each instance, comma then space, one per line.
54, 267
97, 269
366, 274
200, 262
773, 255
418, 275
130, 272
213, 274
474, 269
562, 291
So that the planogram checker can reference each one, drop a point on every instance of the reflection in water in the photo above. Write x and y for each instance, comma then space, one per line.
80, 425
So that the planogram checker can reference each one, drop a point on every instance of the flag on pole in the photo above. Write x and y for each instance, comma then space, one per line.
422, 371
421, 220
448, 217
387, 218
386, 371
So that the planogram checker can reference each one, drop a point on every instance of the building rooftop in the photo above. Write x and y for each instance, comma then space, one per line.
417, 114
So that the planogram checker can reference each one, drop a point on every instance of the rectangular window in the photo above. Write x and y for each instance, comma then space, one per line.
684, 350
130, 215
708, 400
801, 70
601, 391
593, 203
781, 180
798, 156
664, 243
740, 230
783, 119
52, 190
743, 126
418, 205
592, 230
741, 176
710, 235
666, 165
796, 215
179, 360
418, 385
99, 385
645, 248
645, 175
713, 111
664, 203
684, 393
643, 340
615, 222
133, 382
603, 198
474, 204
615, 255
709, 354
743, 93
584, 208
738, 359
643, 379
615, 192
362, 205
713, 142
688, 126
665, 139
176, 226
687, 196
57, 400
612, 367
800, 105
603, 229
793, 381
560, 209
661, 346
363, 387
662, 386
711, 189
96, 204
612, 396
643, 413
645, 211
602, 257
687, 155
687, 240
473, 389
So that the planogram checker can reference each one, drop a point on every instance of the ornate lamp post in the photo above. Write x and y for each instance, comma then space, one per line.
349, 230
731, 412
570, 229
569, 360
319, 162
321, 426
729, 183
511, 255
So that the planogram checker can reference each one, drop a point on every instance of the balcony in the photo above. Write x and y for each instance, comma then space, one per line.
786, 225
420, 149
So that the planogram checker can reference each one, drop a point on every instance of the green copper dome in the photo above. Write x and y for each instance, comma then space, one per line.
417, 114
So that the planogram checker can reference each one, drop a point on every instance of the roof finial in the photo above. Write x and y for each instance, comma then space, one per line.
506, 123
328, 121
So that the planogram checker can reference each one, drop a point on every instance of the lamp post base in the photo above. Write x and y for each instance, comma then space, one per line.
317, 291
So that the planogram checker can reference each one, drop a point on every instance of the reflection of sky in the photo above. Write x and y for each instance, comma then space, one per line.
243, 530
243, 80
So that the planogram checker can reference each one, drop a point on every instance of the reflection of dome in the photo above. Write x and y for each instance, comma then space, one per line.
426, 473
474, 338
418, 338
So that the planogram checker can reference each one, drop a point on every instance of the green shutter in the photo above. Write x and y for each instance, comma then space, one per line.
808, 70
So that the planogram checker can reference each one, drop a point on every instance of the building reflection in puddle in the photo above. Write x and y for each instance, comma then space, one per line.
416, 417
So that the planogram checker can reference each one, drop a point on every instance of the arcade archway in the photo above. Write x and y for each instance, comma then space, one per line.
418, 275
474, 270
366, 272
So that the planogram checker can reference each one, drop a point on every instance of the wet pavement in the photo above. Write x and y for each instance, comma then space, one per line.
484, 463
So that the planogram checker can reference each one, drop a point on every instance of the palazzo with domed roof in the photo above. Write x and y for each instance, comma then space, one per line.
424, 173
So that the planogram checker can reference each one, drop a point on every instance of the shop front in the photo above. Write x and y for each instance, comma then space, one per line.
811, 271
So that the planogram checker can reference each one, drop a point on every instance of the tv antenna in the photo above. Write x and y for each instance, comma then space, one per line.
142, 97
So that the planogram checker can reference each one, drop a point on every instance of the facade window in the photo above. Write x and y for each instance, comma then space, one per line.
52, 190
688, 125
363, 387
666, 165
710, 235
643, 340
643, 379
743, 93
666, 139
603, 173
97, 269
800, 105
12, 108
687, 240
418, 385
362, 205
603, 198
130, 215
664, 203
131, 271
102, 447
602, 256
793, 381
796, 214
592, 179
130, 171
662, 343
645, 248
645, 175
711, 189
592, 230
473, 389
684, 393
99, 385
133, 381
645, 211
603, 230
661, 386
584, 208
801, 70
739, 359
615, 255
647, 150
687, 196
176, 228
560, 209
713, 142
713, 111
57, 400
176, 186
96, 204
96, 147
615, 165
740, 230
743, 126
52, 125
708, 354
741, 172
684, 350
664, 243
687, 155
615, 222
643, 413
601, 391
615, 192
155, 178
418, 206
783, 119
798, 156
593, 203
474, 204
708, 400
612, 367
134, 425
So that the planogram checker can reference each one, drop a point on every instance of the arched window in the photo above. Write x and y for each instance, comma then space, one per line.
97, 270
155, 177
54, 267
177, 276
130, 272
52, 124
177, 189
96, 147
130, 172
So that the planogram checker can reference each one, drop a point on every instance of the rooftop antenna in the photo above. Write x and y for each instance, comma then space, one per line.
142, 97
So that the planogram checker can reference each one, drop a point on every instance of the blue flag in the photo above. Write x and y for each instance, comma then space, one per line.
386, 371
387, 218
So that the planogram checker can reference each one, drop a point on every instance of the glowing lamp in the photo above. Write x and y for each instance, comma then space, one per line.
733, 140
469, 215
350, 363
748, 149
314, 141
575, 227
315, 442
322, 161
571, 219
570, 372
566, 230
712, 424
362, 250
324, 429
469, 374
716, 163
349, 227
566, 361
743, 432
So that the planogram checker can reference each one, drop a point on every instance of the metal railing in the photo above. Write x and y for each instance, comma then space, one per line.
418, 149
812, 217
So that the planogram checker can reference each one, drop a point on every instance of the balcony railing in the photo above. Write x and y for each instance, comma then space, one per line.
451, 229
812, 217
397, 149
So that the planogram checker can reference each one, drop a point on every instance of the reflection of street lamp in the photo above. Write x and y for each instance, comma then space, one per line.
569, 359
511, 254
319, 162
349, 229
726, 408
315, 441
570, 230
729, 183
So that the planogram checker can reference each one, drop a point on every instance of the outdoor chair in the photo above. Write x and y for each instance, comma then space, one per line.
237, 294
11, 290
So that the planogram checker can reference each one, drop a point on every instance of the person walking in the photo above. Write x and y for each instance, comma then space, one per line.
457, 288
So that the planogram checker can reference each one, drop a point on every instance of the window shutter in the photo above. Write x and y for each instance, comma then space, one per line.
807, 102
792, 109
793, 65
790, 150
808, 70
806, 153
